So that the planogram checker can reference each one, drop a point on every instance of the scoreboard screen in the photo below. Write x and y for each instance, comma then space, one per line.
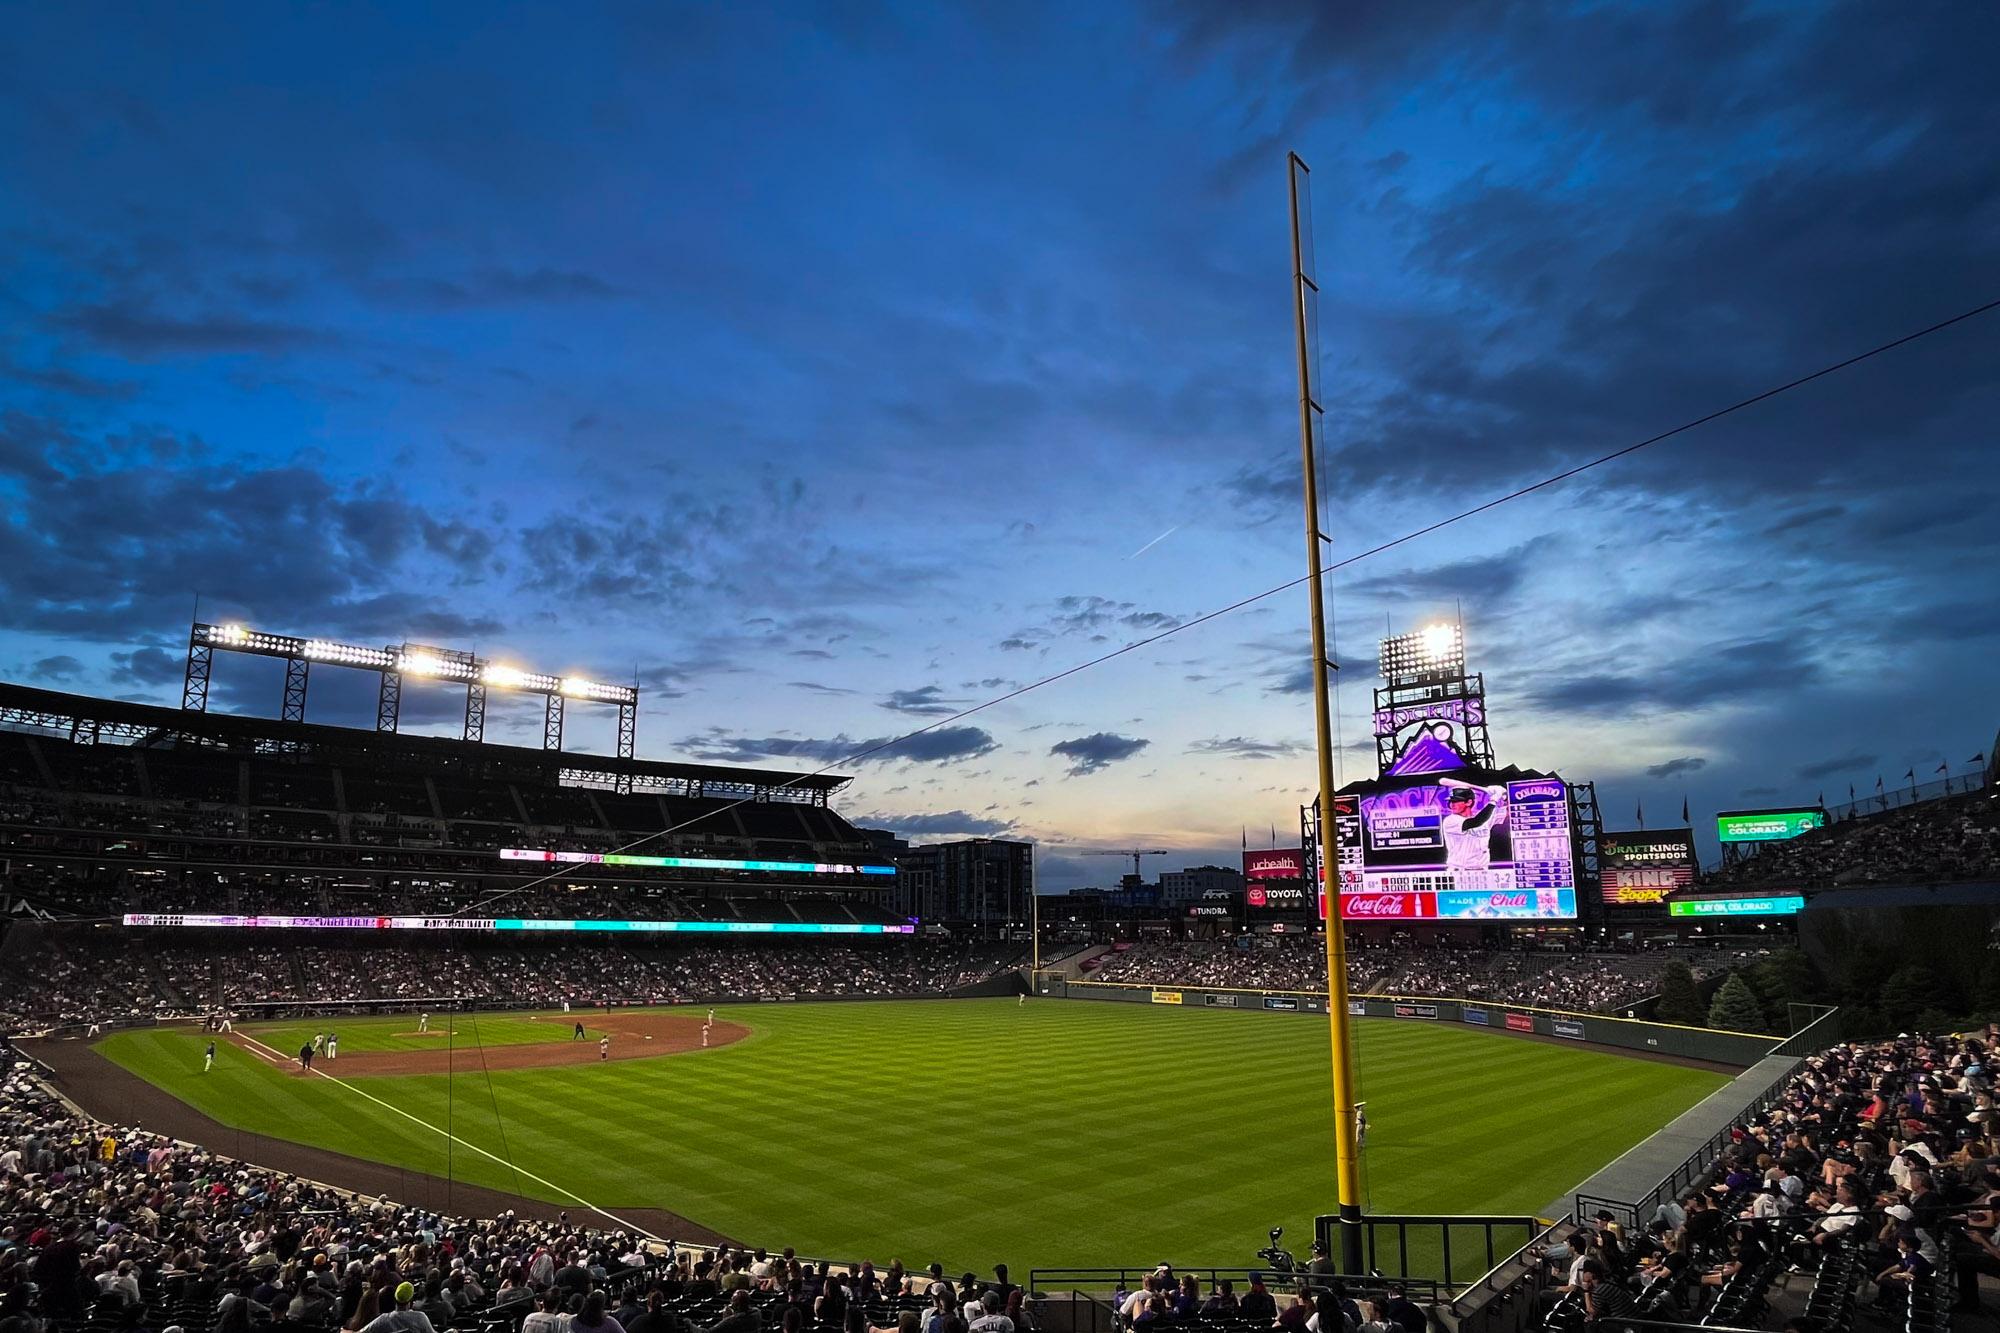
1640, 869
1465, 845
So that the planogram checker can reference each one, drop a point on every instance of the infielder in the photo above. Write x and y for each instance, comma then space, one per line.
332, 1045
423, 1022
604, 1047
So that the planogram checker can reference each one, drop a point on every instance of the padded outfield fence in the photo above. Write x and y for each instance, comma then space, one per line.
1737, 1050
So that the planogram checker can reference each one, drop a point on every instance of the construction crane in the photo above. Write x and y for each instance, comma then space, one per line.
1135, 854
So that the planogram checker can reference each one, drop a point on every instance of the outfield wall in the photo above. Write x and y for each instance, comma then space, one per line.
1738, 1050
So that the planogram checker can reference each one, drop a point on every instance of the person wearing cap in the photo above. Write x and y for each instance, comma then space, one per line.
1258, 1305
402, 1319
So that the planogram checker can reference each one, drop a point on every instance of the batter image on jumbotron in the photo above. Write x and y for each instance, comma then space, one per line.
1461, 846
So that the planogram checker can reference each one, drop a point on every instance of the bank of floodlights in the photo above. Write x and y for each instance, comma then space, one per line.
1435, 652
393, 663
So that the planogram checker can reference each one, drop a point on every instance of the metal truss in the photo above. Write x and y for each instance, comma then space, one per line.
294, 709
552, 723
475, 712
389, 704
194, 687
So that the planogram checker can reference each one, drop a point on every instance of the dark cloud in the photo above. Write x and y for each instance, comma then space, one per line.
497, 286
1243, 747
60, 667
926, 701
1688, 763
1729, 674
948, 824
943, 745
1487, 582
1097, 751
147, 667
138, 331
1854, 761
814, 687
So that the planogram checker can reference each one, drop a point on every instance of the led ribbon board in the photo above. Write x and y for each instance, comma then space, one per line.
487, 923
691, 862
1781, 906
1766, 825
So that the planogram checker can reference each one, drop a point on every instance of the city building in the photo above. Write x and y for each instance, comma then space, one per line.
986, 882
1181, 887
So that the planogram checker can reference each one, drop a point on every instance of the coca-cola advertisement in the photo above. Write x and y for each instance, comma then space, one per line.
1380, 906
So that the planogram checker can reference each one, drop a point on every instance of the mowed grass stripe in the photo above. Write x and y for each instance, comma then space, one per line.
1069, 1133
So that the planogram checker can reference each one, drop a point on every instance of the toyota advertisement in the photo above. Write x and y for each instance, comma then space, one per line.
1460, 846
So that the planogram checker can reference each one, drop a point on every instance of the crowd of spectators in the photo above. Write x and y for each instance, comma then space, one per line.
116, 1229
115, 975
1876, 1171
1553, 980
1957, 838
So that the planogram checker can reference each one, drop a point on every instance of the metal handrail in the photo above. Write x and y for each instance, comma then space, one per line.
1540, 1239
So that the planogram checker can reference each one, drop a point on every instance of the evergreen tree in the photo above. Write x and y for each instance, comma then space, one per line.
1736, 1007
1680, 998
1910, 991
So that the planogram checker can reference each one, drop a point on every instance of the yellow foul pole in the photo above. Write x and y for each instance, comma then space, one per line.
1346, 1153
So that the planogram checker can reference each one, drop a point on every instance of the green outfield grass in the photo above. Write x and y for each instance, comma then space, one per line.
1055, 1133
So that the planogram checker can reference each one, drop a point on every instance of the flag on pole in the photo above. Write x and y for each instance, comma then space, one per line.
1850, 793
1822, 798
1685, 818
1641, 813
1878, 782
1911, 775
1245, 828
1979, 758
1944, 767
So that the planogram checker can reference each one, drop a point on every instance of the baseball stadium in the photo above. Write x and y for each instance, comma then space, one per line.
1144, 823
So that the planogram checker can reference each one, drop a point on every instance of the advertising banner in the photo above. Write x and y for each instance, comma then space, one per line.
1564, 1027
1166, 997
1357, 1008
1209, 910
1219, 1001
1520, 1022
1387, 906
1284, 1002
1416, 1011
1782, 905
1275, 863
1276, 896
1478, 1016
1766, 825
1638, 868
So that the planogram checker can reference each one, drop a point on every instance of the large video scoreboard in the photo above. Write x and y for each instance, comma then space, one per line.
1464, 845
1638, 868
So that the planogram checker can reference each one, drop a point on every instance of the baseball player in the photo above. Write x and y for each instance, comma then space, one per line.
319, 1042
576, 1034
604, 1047
1361, 1124
208, 1060
1468, 829
423, 1022
332, 1045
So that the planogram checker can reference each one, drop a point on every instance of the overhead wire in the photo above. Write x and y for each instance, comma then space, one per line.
1556, 478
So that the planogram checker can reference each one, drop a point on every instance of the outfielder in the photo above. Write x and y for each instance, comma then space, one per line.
208, 1060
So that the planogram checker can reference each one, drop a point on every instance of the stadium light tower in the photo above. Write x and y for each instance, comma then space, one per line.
1305, 306
416, 660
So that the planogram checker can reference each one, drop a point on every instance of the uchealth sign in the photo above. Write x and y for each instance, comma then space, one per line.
1275, 863
1520, 1023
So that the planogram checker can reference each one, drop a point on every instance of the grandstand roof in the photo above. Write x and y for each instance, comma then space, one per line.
82, 717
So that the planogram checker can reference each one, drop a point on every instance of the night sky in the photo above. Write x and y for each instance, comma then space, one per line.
834, 368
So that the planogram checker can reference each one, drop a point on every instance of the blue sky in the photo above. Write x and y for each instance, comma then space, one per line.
829, 366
